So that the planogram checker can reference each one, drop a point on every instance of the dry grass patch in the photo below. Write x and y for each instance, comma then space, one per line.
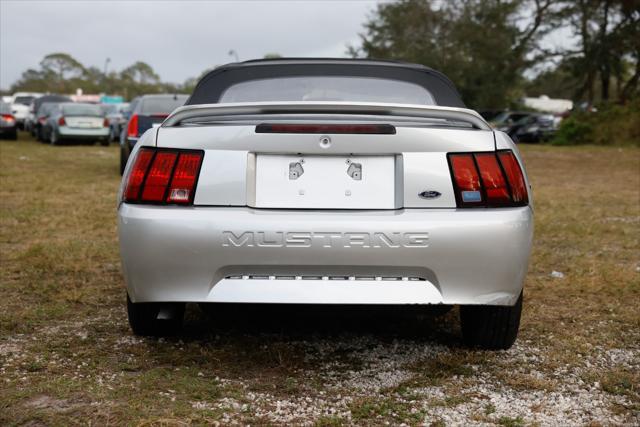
67, 356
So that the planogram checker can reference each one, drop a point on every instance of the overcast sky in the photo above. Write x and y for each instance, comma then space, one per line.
179, 39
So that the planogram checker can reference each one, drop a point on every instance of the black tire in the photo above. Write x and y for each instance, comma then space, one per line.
104, 142
490, 327
13, 135
123, 160
143, 318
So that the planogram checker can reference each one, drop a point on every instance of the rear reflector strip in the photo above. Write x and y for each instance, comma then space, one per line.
382, 129
163, 176
491, 179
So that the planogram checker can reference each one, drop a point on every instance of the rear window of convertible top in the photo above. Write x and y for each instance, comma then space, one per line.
328, 88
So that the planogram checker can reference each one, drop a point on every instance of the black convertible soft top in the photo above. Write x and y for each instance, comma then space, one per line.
211, 87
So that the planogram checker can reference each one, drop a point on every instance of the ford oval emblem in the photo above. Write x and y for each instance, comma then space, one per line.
430, 194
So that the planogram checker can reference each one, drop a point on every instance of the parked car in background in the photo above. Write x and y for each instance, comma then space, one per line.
507, 118
33, 123
75, 121
41, 119
148, 111
115, 114
20, 106
533, 128
302, 181
8, 125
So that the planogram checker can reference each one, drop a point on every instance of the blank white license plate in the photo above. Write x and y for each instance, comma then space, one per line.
325, 182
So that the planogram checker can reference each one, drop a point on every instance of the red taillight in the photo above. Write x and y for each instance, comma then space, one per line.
105, 123
488, 179
61, 121
184, 178
132, 129
326, 128
136, 175
465, 175
163, 176
8, 118
514, 176
158, 176
493, 180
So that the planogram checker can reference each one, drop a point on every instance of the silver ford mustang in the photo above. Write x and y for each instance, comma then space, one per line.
326, 181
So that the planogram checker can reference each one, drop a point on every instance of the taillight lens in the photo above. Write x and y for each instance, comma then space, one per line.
62, 121
465, 175
8, 118
158, 177
184, 178
163, 176
492, 179
132, 129
514, 176
136, 175
105, 123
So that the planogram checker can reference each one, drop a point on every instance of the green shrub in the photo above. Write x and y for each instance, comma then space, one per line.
573, 130
610, 125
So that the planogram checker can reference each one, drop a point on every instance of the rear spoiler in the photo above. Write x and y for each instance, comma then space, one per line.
367, 108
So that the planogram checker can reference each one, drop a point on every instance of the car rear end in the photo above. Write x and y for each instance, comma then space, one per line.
8, 123
327, 203
81, 122
150, 111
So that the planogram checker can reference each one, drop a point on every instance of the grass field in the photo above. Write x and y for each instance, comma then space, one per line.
67, 355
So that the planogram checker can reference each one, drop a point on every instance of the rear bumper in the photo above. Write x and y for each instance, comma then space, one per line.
411, 256
79, 133
8, 129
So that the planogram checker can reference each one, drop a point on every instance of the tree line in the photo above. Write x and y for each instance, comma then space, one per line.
488, 47
62, 73
495, 51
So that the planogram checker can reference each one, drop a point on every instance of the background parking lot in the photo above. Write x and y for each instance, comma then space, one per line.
67, 355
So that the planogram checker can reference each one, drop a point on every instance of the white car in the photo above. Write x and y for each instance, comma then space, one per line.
20, 105
307, 181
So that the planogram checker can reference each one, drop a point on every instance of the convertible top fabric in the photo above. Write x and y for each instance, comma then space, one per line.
211, 87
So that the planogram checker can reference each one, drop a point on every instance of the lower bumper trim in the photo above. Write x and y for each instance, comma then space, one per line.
325, 291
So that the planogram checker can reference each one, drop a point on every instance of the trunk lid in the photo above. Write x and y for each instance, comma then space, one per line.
407, 169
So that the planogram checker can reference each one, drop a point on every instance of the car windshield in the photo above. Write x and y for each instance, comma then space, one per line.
82, 110
328, 88
162, 104
24, 100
